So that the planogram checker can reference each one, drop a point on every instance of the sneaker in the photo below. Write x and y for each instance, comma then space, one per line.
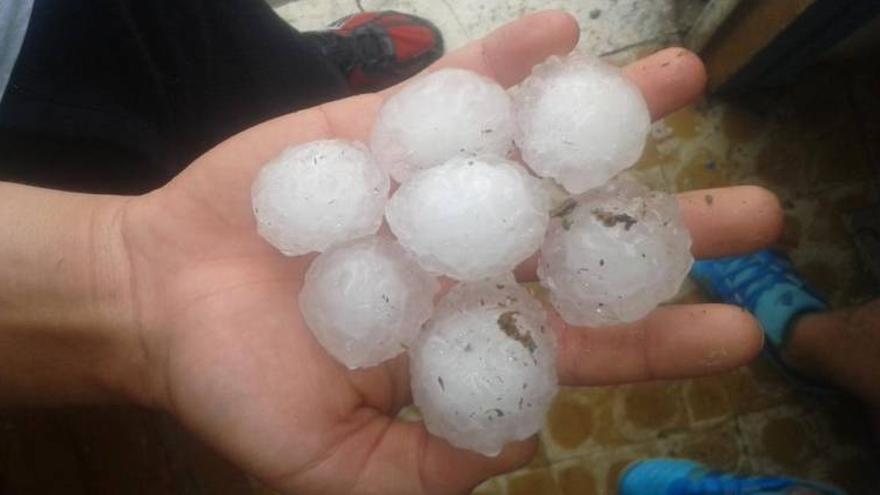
376, 50
681, 477
766, 284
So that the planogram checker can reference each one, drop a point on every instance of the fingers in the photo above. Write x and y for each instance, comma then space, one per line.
668, 79
732, 220
682, 341
723, 222
672, 342
509, 53
506, 55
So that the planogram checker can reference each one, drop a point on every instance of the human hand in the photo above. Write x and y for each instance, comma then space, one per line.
228, 353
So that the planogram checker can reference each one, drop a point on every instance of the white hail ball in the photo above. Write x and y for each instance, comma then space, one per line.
447, 113
366, 300
483, 371
470, 218
580, 121
615, 254
319, 194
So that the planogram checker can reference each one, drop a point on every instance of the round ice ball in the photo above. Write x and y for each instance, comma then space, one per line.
366, 300
470, 218
483, 371
444, 114
580, 121
613, 254
319, 194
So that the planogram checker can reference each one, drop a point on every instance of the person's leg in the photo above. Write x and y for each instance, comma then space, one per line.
119, 95
160, 82
837, 348
840, 347
816, 347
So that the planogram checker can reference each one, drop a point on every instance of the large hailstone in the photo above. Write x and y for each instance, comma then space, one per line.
447, 113
483, 371
470, 218
580, 121
366, 300
615, 254
319, 194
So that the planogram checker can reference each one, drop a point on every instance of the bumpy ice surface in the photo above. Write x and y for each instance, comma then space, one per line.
319, 194
366, 300
579, 121
470, 218
484, 369
448, 113
615, 254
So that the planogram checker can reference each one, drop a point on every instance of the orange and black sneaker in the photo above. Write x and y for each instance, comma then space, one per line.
376, 50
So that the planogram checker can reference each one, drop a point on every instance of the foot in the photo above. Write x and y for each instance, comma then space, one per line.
680, 477
376, 50
766, 284
841, 347
812, 346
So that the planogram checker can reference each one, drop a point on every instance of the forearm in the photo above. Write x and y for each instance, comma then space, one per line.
62, 298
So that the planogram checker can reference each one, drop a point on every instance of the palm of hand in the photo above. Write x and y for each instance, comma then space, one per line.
233, 360
240, 366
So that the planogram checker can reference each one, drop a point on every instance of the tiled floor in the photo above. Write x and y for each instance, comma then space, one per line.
809, 145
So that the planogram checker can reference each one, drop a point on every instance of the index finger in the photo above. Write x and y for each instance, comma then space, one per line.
668, 79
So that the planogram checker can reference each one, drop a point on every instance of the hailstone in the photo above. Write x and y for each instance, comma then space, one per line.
613, 254
579, 121
366, 300
447, 113
470, 218
319, 194
483, 371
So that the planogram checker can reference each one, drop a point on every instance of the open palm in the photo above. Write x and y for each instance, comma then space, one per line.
231, 357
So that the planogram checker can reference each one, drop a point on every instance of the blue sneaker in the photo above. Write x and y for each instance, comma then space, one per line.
681, 477
766, 284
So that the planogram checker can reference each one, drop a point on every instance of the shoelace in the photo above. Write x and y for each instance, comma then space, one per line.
746, 279
368, 46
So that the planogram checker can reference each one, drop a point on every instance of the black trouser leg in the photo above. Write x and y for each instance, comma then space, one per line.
119, 95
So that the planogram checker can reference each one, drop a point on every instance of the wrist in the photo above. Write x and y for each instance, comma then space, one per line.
125, 371
67, 332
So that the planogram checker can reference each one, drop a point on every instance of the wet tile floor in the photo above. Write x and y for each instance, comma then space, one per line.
810, 144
